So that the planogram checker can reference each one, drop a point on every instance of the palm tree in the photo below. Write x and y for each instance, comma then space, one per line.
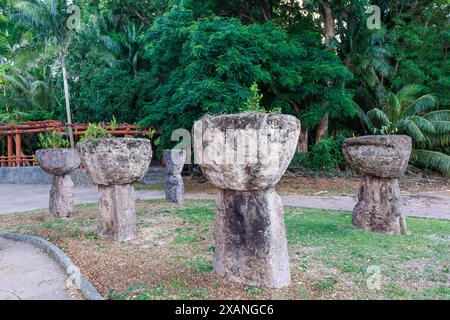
49, 19
418, 117
117, 43
28, 88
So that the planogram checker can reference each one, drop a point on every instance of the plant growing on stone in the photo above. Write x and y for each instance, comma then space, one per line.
95, 131
385, 130
52, 140
253, 104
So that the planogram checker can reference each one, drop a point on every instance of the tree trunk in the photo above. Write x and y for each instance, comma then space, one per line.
328, 20
67, 98
330, 34
322, 129
302, 145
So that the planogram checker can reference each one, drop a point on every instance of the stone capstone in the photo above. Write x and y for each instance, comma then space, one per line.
380, 156
58, 161
111, 161
246, 151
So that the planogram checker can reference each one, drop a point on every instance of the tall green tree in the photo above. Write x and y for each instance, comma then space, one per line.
207, 66
49, 18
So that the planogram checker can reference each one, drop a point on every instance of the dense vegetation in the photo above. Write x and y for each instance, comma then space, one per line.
164, 63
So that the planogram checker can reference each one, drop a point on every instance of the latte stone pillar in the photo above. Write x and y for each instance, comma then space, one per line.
114, 165
60, 163
380, 160
174, 187
245, 155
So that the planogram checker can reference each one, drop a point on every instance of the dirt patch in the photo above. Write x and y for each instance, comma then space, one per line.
340, 185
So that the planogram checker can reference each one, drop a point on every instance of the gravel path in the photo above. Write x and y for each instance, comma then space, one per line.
21, 198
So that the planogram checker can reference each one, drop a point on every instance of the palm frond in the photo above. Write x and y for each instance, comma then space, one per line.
423, 104
423, 124
408, 92
31, 14
13, 116
408, 127
440, 140
393, 108
376, 115
432, 159
441, 127
363, 117
439, 115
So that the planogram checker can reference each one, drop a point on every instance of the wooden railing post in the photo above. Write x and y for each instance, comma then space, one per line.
10, 150
18, 149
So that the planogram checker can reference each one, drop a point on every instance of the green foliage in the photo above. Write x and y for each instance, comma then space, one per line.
419, 118
166, 63
94, 131
53, 140
324, 156
207, 66
253, 104
104, 93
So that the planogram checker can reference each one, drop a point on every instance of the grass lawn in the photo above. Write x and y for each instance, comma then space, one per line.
172, 257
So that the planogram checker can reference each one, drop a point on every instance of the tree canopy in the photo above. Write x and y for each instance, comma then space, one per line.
165, 63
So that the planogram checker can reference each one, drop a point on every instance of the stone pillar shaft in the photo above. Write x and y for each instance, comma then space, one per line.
379, 206
174, 187
61, 197
250, 237
117, 219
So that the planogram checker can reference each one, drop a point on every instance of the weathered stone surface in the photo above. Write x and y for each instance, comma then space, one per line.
58, 161
115, 160
174, 187
117, 220
61, 197
379, 206
174, 160
114, 165
251, 245
247, 151
380, 160
245, 155
380, 156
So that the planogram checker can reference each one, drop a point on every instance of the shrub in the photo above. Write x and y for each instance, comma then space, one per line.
94, 131
52, 140
324, 156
